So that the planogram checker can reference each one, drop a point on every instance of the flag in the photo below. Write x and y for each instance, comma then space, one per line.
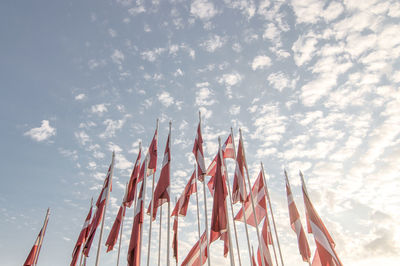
193, 257
253, 261
152, 156
323, 240
100, 204
198, 154
175, 239
136, 235
131, 190
266, 239
296, 225
161, 192
227, 152
82, 237
316, 260
239, 186
258, 192
183, 202
113, 235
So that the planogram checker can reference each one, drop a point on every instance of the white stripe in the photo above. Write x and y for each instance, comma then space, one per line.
321, 238
200, 161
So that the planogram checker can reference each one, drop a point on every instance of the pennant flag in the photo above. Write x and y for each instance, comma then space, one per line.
227, 152
183, 202
239, 186
296, 225
323, 240
253, 261
131, 190
100, 204
193, 257
175, 238
259, 202
161, 192
316, 260
113, 235
82, 237
266, 239
152, 152
136, 235
198, 153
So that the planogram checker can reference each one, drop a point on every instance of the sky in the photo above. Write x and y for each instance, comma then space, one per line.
314, 86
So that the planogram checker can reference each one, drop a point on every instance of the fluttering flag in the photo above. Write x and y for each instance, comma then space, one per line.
296, 225
316, 260
323, 240
175, 239
136, 235
198, 154
161, 192
239, 186
82, 237
114, 232
183, 201
133, 181
266, 239
152, 153
253, 261
100, 204
34, 253
258, 192
193, 257
227, 152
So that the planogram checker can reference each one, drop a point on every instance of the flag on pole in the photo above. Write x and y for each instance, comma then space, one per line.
323, 240
253, 261
296, 225
175, 238
227, 152
114, 232
239, 186
183, 202
193, 257
152, 152
131, 190
134, 244
198, 154
266, 239
82, 237
259, 201
161, 192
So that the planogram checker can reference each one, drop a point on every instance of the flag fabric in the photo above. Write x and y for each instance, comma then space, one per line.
82, 237
136, 235
193, 257
316, 260
114, 232
253, 261
239, 186
183, 201
161, 192
199, 155
152, 156
260, 205
131, 190
227, 152
175, 239
323, 240
266, 239
296, 225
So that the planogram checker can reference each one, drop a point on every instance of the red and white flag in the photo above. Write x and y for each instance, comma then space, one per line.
227, 152
82, 237
239, 185
296, 225
136, 235
258, 192
183, 201
198, 154
114, 232
266, 239
253, 260
323, 240
152, 152
133, 181
193, 257
175, 239
161, 192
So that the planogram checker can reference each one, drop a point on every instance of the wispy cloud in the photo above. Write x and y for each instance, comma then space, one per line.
44, 132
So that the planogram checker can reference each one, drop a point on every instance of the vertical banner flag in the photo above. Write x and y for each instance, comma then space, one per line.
266, 239
239, 186
82, 237
152, 152
114, 232
183, 201
193, 257
133, 181
198, 154
134, 244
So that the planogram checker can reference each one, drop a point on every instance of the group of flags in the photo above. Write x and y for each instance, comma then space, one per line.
253, 210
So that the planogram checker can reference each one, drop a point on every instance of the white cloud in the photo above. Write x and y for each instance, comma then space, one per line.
230, 79
41, 133
260, 62
80, 97
203, 9
213, 43
112, 126
280, 81
152, 55
165, 98
82, 137
99, 109
307, 11
117, 57
112, 33
205, 96
333, 11
304, 49
234, 109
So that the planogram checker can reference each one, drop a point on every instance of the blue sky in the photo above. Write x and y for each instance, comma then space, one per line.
313, 85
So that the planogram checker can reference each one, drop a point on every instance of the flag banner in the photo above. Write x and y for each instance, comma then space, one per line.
266, 239
227, 152
152, 157
82, 237
183, 202
33, 255
114, 232
199, 155
239, 186
193, 257
131, 190
175, 238
136, 234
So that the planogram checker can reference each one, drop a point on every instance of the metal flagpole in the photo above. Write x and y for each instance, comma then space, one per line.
122, 223
177, 216
159, 237
198, 212
169, 201
304, 184
105, 209
252, 201
146, 163
136, 192
272, 214
82, 255
46, 219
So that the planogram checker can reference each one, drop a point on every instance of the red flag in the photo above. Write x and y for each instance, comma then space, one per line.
239, 186
316, 260
34, 253
161, 192
227, 152
253, 261
323, 240
198, 153
82, 237
136, 235
131, 190
183, 202
193, 257
259, 202
152, 152
175, 239
266, 239
296, 224
113, 235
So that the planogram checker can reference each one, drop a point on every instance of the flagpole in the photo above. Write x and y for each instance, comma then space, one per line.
272, 215
152, 211
169, 201
252, 201
205, 211
122, 223
105, 209
159, 237
146, 163
243, 210
177, 216
227, 216
82, 255
303, 184
46, 219
136, 196
198, 214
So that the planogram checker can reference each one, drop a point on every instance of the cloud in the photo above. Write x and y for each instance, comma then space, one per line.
112, 126
41, 133
203, 9
234, 110
213, 43
99, 109
80, 97
152, 55
117, 57
260, 62
204, 96
230, 79
304, 49
165, 98
82, 137
280, 81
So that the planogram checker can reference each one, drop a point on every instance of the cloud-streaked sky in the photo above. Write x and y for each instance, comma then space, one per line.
314, 85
